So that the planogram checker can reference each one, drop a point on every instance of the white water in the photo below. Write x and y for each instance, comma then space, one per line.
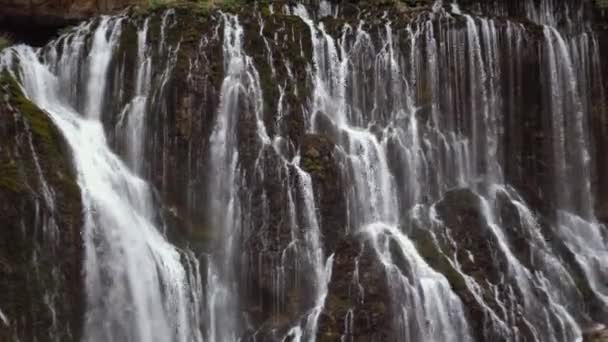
430, 310
3, 318
137, 289
577, 225
241, 90
104, 38
224, 203
138, 106
473, 160
395, 160
313, 255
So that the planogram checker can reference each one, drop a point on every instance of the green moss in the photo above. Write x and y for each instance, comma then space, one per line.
204, 5
40, 124
313, 167
5, 41
427, 248
10, 178
153, 4
48, 144
202, 233
21, 166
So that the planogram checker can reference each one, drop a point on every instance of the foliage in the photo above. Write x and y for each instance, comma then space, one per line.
158, 3
203, 4
5, 41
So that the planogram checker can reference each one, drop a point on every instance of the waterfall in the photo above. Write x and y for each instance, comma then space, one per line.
292, 175
137, 107
464, 152
314, 255
240, 92
576, 222
224, 201
104, 38
137, 288
426, 309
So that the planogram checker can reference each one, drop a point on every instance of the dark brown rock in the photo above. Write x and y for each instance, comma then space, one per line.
35, 22
320, 160
358, 305
597, 334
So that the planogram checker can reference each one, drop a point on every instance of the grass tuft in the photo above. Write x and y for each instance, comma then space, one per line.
5, 41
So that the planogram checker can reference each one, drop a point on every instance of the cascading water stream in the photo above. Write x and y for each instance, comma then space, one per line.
241, 90
104, 38
571, 55
420, 119
137, 289
224, 207
425, 306
477, 160
314, 255
136, 110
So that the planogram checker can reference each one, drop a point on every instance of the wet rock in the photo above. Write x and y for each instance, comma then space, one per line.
596, 334
358, 304
320, 159
35, 22
325, 125
599, 124
477, 250
41, 249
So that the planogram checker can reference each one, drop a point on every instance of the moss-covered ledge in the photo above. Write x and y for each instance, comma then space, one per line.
41, 252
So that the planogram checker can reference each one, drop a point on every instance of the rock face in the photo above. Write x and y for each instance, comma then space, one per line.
296, 176
58, 10
597, 335
41, 251
35, 22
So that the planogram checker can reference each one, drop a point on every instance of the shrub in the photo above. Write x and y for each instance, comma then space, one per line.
5, 41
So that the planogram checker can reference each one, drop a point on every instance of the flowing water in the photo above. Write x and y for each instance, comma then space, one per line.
137, 288
420, 114
460, 155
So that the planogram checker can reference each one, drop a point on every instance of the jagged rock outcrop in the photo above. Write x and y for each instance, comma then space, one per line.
41, 250
187, 47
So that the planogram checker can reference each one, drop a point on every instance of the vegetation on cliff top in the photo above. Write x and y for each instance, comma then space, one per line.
5, 41
201, 4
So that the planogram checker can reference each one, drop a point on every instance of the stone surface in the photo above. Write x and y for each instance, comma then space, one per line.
178, 129
61, 9
598, 334
37, 21
41, 251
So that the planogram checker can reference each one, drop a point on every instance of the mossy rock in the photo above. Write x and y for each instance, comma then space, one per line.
38, 121
428, 247
317, 155
5, 42
34, 153
10, 178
